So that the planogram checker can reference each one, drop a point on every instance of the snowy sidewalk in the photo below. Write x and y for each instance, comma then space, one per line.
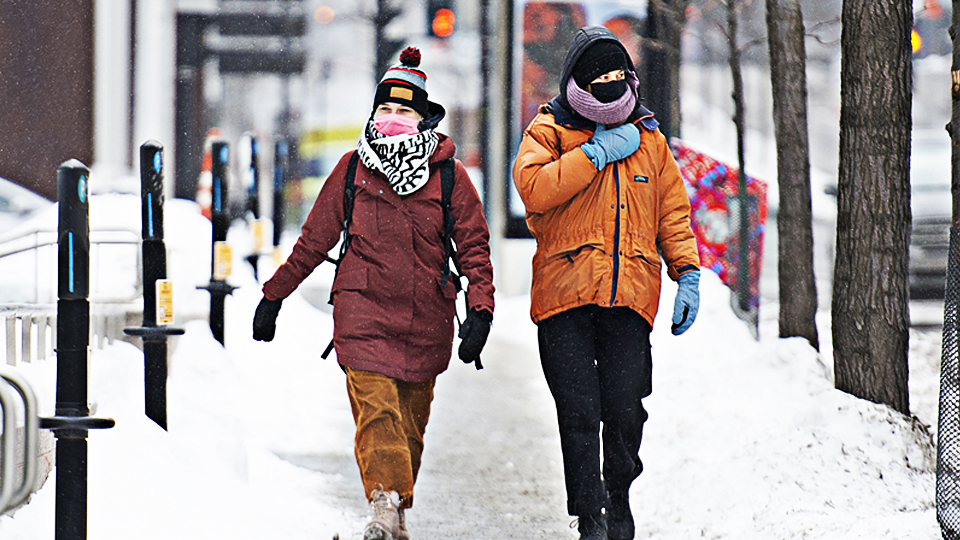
746, 440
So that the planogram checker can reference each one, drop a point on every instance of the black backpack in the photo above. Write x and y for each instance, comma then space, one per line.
447, 171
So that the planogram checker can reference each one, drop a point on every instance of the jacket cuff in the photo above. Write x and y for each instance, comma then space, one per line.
483, 315
675, 273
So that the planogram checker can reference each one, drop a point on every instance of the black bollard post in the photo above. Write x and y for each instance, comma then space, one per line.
220, 217
253, 196
72, 419
253, 204
279, 179
154, 269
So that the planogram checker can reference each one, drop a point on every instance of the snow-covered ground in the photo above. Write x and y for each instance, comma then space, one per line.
745, 440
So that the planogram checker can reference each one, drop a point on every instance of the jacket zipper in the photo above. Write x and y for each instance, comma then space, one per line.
616, 239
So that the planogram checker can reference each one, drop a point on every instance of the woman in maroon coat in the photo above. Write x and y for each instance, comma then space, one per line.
393, 310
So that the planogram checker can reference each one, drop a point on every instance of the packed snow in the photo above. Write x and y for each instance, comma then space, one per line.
746, 439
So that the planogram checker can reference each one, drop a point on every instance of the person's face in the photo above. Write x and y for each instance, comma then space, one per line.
610, 76
390, 107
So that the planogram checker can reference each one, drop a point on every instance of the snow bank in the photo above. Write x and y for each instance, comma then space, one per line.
745, 440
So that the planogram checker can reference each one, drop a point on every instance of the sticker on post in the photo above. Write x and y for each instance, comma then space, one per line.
222, 261
256, 229
164, 301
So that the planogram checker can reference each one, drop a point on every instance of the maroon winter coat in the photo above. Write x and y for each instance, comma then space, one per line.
390, 314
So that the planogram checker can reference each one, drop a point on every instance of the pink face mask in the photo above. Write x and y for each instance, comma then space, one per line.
396, 124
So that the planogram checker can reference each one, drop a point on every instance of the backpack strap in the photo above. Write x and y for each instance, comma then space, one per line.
447, 178
349, 194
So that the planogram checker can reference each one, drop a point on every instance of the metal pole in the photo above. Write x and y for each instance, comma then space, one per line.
188, 138
743, 261
253, 195
220, 219
73, 334
154, 269
253, 201
378, 26
485, 103
279, 179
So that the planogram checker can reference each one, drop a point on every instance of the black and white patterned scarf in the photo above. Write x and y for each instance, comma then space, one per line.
403, 159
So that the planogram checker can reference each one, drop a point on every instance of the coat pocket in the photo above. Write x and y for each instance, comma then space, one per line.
448, 291
640, 279
352, 279
570, 277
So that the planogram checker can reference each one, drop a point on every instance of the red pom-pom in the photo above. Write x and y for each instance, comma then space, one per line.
410, 57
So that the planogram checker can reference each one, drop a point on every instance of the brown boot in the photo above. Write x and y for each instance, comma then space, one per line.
385, 521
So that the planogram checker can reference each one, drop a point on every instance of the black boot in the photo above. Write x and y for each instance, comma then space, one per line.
592, 527
619, 518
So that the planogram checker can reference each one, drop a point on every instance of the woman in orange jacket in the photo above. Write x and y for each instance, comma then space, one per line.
607, 206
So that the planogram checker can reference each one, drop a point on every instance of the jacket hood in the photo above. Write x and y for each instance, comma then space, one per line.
435, 113
584, 38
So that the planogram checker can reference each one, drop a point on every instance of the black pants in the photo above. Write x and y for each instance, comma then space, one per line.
597, 364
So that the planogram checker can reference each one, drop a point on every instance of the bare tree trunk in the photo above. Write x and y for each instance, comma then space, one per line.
798, 289
661, 62
870, 312
739, 118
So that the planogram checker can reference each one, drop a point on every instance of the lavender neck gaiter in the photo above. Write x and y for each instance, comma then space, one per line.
605, 113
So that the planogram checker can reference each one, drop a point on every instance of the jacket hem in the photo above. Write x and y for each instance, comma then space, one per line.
391, 371
551, 312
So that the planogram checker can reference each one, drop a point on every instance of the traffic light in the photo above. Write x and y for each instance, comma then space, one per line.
931, 29
441, 18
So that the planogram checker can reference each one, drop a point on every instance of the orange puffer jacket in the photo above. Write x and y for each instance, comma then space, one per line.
600, 234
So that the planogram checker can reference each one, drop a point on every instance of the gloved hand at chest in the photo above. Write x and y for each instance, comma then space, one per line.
687, 303
609, 145
473, 335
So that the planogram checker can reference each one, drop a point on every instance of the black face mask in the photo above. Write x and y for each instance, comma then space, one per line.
608, 92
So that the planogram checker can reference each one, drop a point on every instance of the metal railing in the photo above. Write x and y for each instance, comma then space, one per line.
13, 495
42, 243
38, 307
21, 322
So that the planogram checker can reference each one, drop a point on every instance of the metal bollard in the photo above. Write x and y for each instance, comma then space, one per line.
253, 199
279, 179
220, 217
72, 418
154, 269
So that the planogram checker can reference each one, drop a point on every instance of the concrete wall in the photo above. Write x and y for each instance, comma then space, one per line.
46, 62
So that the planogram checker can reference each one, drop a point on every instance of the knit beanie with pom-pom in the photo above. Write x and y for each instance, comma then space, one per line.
404, 83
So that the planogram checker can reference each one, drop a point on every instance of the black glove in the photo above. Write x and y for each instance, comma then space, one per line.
265, 319
473, 336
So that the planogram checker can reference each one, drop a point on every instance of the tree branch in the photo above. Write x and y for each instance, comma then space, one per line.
811, 31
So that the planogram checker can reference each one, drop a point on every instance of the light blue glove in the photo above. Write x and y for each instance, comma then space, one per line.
687, 304
611, 145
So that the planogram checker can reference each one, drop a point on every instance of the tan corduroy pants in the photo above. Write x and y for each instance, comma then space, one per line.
391, 417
